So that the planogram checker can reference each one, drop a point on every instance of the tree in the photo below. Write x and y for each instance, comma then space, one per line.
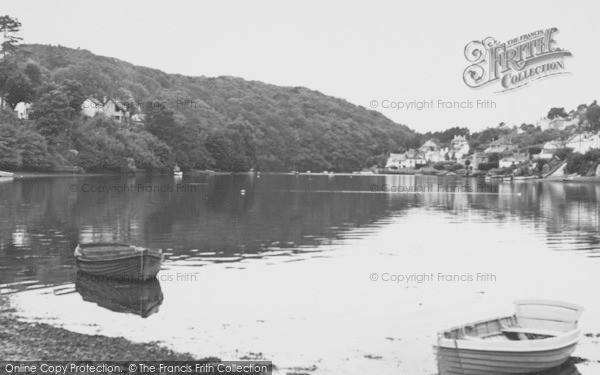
160, 121
52, 115
18, 89
10, 158
21, 146
34, 73
221, 149
494, 158
75, 95
9, 28
557, 112
592, 114
8, 69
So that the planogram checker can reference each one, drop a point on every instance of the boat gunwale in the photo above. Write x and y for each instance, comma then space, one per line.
80, 257
562, 340
542, 345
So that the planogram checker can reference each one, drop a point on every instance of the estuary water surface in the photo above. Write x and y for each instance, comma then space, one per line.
321, 274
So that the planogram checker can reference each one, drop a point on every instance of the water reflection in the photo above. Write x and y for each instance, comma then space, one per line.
204, 218
139, 298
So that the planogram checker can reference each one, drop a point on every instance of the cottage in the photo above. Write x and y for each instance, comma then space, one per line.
413, 162
410, 159
394, 161
478, 158
116, 111
557, 123
109, 108
23, 110
501, 145
459, 146
430, 145
549, 148
437, 155
511, 161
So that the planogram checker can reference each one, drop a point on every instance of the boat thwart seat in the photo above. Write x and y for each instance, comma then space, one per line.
523, 331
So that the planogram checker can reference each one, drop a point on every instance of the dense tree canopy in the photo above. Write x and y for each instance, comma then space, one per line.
223, 123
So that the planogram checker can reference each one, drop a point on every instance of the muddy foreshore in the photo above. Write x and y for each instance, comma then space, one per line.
21, 341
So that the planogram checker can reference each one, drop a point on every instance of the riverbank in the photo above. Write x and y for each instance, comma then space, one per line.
20, 341
593, 179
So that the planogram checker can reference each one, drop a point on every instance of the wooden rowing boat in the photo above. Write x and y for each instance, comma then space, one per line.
539, 336
139, 298
118, 262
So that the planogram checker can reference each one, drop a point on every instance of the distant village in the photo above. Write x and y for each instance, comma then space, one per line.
432, 152
500, 156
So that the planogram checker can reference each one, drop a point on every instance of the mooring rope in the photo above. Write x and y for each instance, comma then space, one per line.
458, 355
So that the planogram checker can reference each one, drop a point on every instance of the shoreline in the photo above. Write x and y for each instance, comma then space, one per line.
592, 179
22, 341
28, 175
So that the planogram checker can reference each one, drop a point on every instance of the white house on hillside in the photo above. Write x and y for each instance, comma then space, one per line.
116, 111
413, 162
549, 149
109, 108
437, 155
90, 107
22, 110
394, 161
557, 123
409, 159
459, 146
430, 145
510, 161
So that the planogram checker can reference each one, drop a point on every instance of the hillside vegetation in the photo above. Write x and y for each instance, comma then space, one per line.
222, 123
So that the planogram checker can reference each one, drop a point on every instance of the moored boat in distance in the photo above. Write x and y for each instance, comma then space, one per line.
177, 171
540, 335
6, 174
116, 261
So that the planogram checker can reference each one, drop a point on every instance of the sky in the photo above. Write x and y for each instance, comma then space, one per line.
370, 53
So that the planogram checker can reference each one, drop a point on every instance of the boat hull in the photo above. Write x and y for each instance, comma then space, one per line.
477, 362
135, 265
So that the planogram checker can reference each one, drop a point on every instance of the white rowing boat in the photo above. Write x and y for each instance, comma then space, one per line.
539, 336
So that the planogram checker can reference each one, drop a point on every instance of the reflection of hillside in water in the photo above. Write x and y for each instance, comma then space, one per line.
568, 213
42, 219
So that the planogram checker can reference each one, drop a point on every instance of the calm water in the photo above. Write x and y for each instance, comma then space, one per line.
279, 266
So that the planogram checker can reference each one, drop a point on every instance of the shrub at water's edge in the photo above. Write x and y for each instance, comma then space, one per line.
584, 165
